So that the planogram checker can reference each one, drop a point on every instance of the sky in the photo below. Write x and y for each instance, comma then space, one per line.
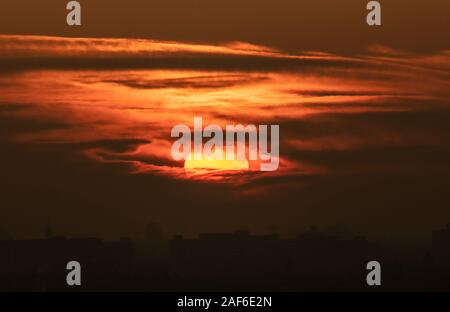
321, 25
86, 114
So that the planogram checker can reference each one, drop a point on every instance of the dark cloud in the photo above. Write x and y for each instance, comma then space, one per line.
200, 62
116, 145
198, 82
13, 107
12, 124
433, 124
142, 159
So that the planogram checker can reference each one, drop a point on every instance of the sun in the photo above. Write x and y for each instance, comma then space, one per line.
215, 165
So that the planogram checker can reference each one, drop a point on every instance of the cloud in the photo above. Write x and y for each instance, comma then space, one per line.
116, 100
193, 82
115, 146
41, 52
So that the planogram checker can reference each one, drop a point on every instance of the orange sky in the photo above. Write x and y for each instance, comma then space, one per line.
120, 101
319, 25
86, 114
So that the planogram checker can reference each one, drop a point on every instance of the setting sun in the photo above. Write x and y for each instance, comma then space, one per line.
219, 165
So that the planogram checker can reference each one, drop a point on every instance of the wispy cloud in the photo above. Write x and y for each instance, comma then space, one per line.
115, 101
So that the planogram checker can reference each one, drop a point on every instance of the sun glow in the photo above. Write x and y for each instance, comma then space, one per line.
121, 110
191, 165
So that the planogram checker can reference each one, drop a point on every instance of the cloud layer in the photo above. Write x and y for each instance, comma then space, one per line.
109, 104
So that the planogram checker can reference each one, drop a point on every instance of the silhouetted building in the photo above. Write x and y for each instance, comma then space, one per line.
5, 236
42, 263
441, 247
152, 253
312, 261
238, 261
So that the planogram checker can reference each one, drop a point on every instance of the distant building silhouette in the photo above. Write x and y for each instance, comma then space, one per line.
314, 260
313, 252
5, 236
41, 264
441, 247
